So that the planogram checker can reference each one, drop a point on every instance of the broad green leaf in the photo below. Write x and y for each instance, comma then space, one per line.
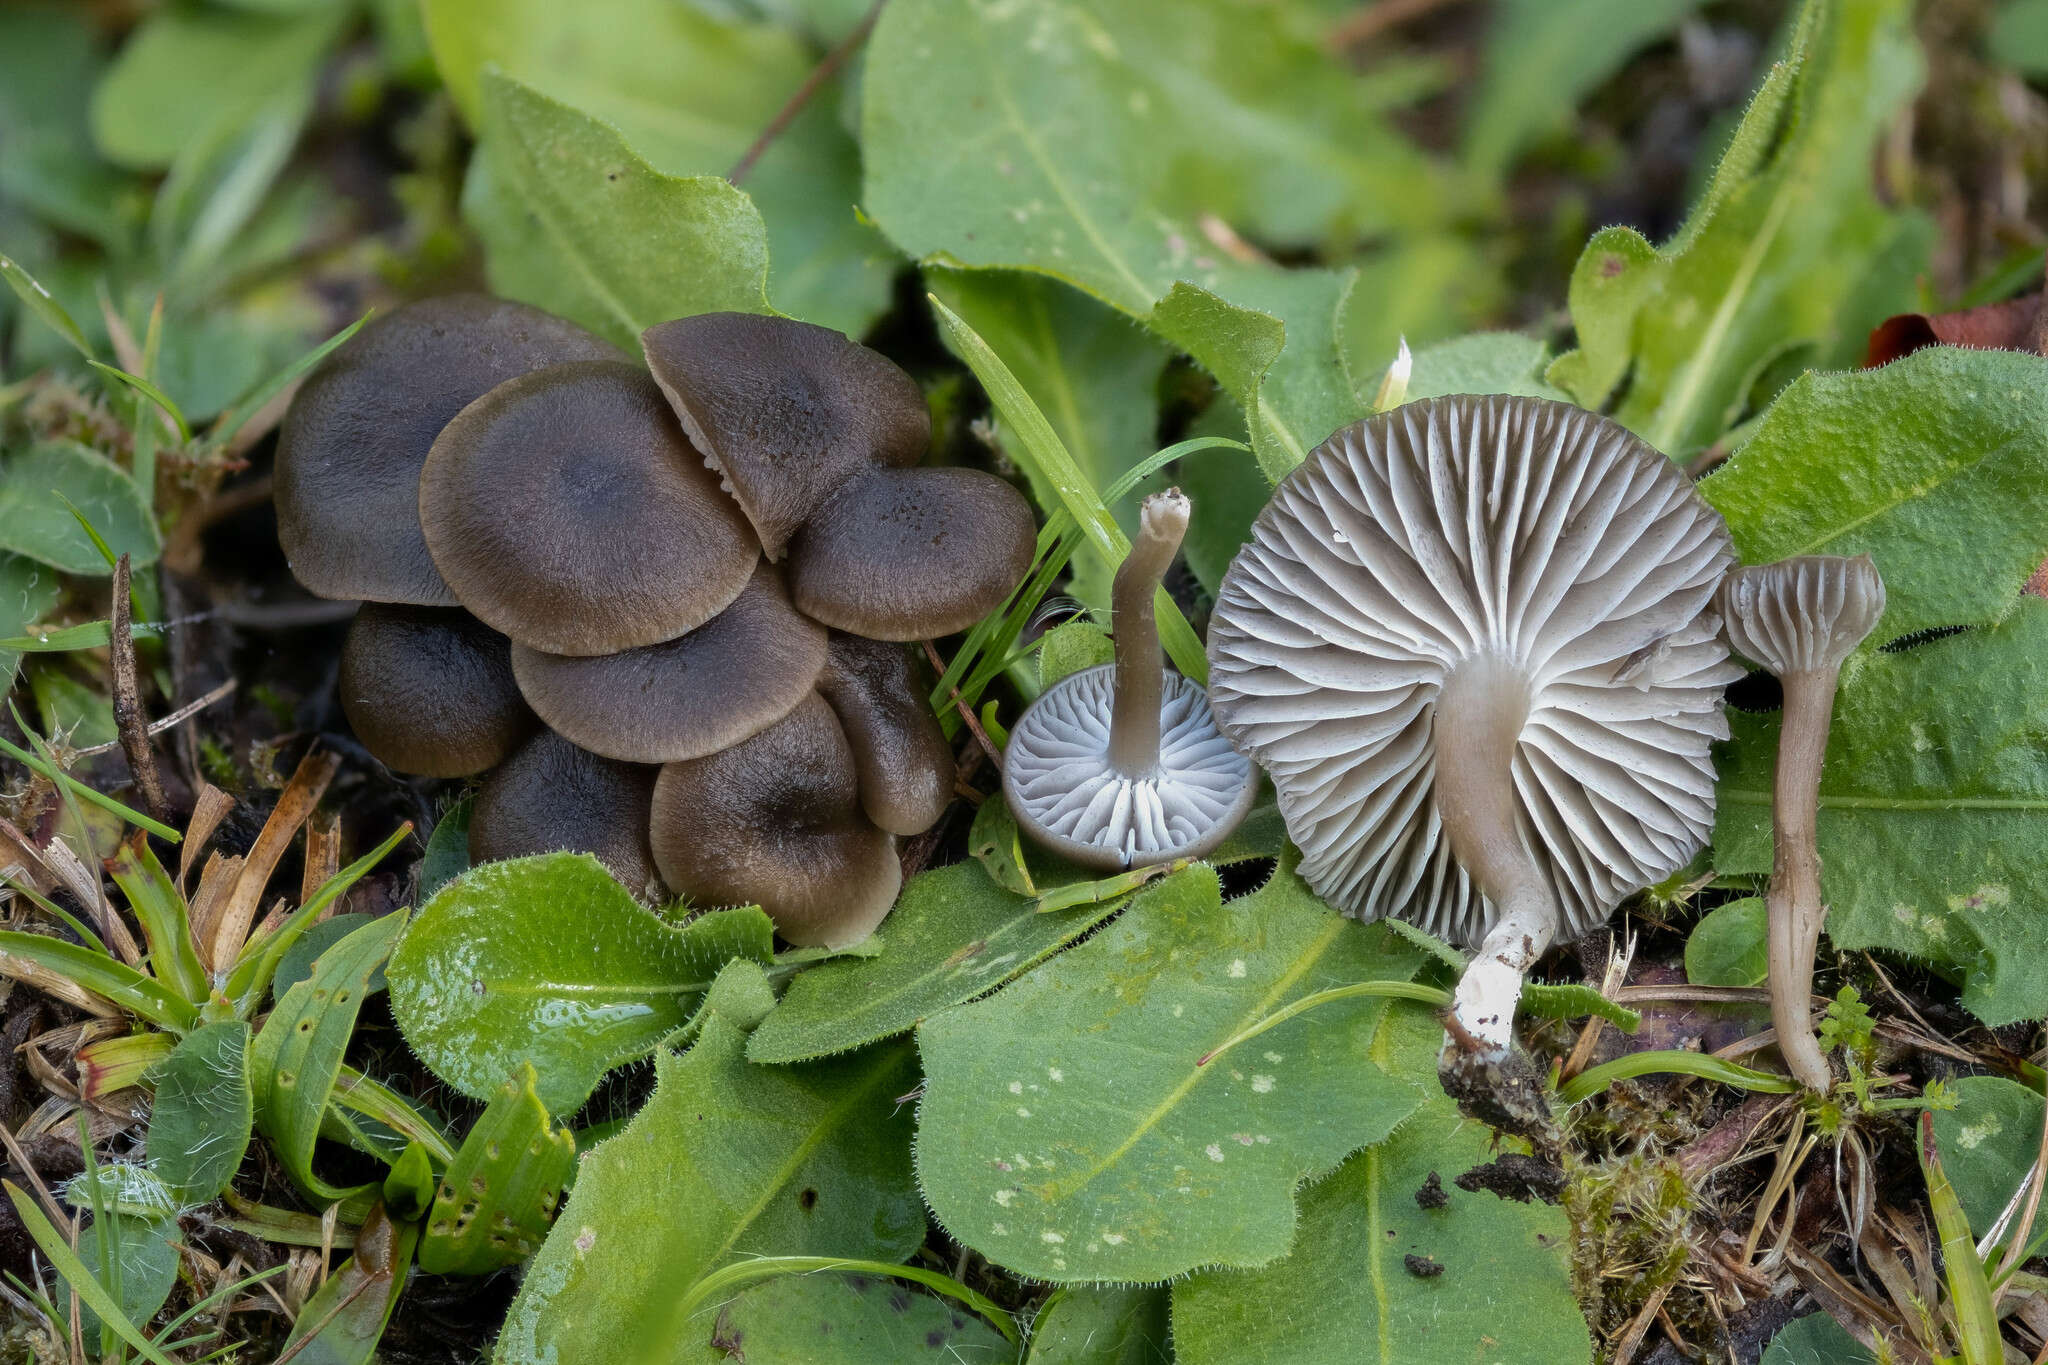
800, 1160
28, 591
498, 1196
845, 1319
1936, 465
1069, 648
67, 706
296, 1058
550, 960
1484, 362
583, 225
1931, 801
1784, 236
1543, 57
295, 964
1989, 1142
1345, 1295
447, 855
1730, 945
148, 1253
1815, 1339
200, 1118
689, 92
1069, 1133
1112, 1324
91, 1293
35, 485
2019, 37
50, 59
345, 1318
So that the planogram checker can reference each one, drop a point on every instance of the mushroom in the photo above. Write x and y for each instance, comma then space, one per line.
429, 690
731, 677
565, 509
551, 796
900, 755
1122, 766
775, 821
1470, 641
1800, 618
355, 437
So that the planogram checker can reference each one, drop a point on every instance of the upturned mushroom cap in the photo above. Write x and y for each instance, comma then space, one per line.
1535, 562
565, 509
551, 796
899, 752
731, 677
775, 821
786, 411
429, 690
912, 554
355, 437
1804, 613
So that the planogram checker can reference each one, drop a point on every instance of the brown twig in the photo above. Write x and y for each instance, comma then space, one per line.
824, 71
128, 716
172, 721
967, 716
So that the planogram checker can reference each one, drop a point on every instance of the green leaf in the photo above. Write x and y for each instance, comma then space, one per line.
1989, 1142
1969, 1289
104, 976
1069, 1132
1114, 1324
1815, 1339
159, 907
2019, 36
295, 964
147, 1250
345, 1319
801, 1160
1345, 1293
50, 59
582, 225
28, 591
550, 960
1484, 362
846, 1319
499, 1194
1730, 945
297, 1055
1785, 234
1069, 648
40, 302
90, 1292
200, 1119
689, 93
34, 521
1935, 465
447, 855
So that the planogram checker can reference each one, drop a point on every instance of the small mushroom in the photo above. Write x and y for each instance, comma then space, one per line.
551, 797
775, 821
429, 690
785, 411
1122, 766
1800, 618
731, 677
565, 509
357, 433
1470, 641
900, 753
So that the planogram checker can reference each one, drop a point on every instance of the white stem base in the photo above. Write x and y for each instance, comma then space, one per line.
1484, 1004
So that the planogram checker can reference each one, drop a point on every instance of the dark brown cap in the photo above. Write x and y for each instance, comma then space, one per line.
551, 796
900, 753
429, 690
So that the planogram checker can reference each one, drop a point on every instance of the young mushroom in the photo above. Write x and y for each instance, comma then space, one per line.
904, 765
1800, 618
1122, 766
1470, 641
429, 690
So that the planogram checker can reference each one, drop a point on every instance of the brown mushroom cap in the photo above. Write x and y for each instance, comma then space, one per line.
429, 690
786, 411
912, 554
565, 509
775, 821
899, 751
349, 454
733, 676
552, 796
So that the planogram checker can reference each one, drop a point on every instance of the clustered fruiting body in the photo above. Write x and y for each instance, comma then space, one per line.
661, 613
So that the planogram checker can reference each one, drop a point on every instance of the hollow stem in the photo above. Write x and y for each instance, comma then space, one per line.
1134, 716
1793, 898
1479, 720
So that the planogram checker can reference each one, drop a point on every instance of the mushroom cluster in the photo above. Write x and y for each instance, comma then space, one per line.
660, 607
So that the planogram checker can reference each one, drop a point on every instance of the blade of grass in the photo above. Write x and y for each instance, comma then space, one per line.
731, 1278
152, 393
1593, 1080
254, 969
72, 785
154, 900
1969, 1290
1433, 996
55, 911
44, 305
84, 1287
242, 409
88, 635
94, 971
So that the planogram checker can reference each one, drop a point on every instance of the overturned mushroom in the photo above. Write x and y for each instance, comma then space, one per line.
899, 752
1122, 765
1800, 618
552, 796
429, 690
1470, 641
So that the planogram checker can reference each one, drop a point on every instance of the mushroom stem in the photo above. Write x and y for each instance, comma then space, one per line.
1793, 898
1134, 717
1480, 714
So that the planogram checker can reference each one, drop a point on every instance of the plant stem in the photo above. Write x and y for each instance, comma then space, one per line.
1793, 897
1134, 718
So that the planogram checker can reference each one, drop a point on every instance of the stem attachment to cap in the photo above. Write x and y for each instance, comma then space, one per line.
1134, 716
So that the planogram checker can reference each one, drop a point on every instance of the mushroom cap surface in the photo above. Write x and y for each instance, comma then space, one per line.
904, 765
736, 674
1059, 780
352, 444
566, 510
551, 796
912, 554
785, 411
1529, 548
1802, 613
775, 821
429, 690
